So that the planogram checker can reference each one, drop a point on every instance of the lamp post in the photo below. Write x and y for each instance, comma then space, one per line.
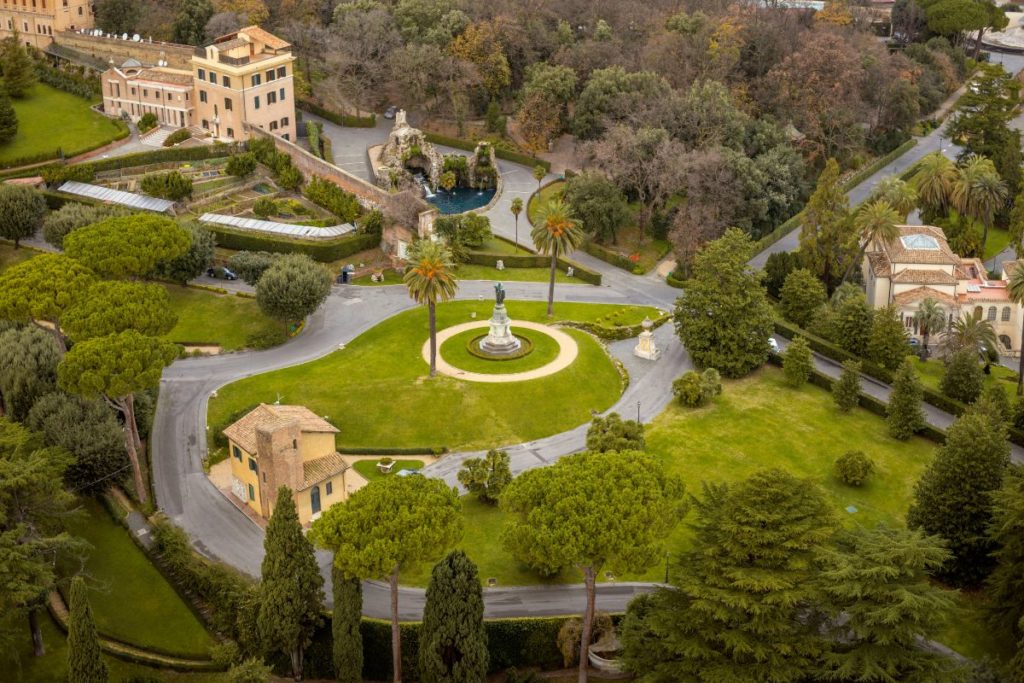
638, 412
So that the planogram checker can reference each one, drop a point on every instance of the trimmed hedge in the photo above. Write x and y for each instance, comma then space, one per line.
618, 332
324, 251
419, 450
507, 155
608, 256
177, 136
339, 119
528, 260
674, 282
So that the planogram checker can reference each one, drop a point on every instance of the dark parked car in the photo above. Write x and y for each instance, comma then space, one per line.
219, 271
390, 112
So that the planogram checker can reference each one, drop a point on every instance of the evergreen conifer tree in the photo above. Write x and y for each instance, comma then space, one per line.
963, 378
877, 580
742, 608
8, 118
904, 416
953, 498
887, 344
453, 643
84, 662
797, 362
291, 592
846, 389
994, 400
1006, 583
348, 614
19, 71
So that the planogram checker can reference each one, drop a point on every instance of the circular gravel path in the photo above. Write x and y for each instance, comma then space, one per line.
568, 350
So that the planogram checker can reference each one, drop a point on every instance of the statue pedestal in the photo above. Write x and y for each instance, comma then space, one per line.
645, 346
500, 339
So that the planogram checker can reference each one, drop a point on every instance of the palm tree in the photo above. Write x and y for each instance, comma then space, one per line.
429, 280
517, 208
539, 172
557, 232
875, 222
978, 192
935, 178
930, 319
1016, 291
902, 197
970, 333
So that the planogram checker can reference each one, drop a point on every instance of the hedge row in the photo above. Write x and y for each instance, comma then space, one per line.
507, 155
419, 450
527, 260
324, 251
869, 403
510, 642
930, 396
609, 256
339, 119
674, 282
617, 332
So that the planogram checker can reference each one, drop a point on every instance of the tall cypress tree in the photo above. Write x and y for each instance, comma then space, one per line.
348, 640
453, 643
953, 498
8, 118
84, 662
904, 416
291, 592
19, 71
1006, 584
743, 605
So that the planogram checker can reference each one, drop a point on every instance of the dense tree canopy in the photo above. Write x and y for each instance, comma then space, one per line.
128, 246
292, 288
22, 210
43, 288
112, 306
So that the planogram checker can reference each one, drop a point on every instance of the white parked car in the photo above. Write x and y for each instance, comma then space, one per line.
773, 345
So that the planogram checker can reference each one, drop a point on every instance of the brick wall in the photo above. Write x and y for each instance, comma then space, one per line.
368, 194
105, 49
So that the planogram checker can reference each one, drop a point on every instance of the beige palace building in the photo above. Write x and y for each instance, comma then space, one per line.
241, 78
36, 21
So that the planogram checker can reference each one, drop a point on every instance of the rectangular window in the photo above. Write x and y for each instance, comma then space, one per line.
281, 71
227, 104
231, 132
271, 97
145, 92
213, 77
270, 75
225, 81
284, 122
255, 80
280, 94
202, 74
252, 493
273, 125
169, 97
237, 452
256, 101
206, 124
330, 488
133, 91
202, 95
253, 467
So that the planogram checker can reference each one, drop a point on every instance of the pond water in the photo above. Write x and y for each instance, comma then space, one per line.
460, 199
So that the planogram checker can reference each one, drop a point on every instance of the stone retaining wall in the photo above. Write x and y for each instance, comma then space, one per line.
105, 49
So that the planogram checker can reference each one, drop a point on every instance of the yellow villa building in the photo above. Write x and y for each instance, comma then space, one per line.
281, 445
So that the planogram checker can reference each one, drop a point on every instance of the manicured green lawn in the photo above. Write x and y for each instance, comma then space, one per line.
49, 119
368, 468
932, 371
468, 271
391, 277
378, 393
131, 600
454, 350
757, 422
539, 199
9, 256
206, 317
997, 241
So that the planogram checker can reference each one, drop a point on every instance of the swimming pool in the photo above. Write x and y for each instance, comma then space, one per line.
460, 199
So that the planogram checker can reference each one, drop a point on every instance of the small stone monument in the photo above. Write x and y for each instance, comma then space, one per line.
500, 265
645, 346
500, 340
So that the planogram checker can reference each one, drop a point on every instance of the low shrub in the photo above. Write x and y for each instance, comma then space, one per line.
323, 192
241, 165
147, 122
853, 468
172, 185
265, 206
267, 338
695, 389
177, 136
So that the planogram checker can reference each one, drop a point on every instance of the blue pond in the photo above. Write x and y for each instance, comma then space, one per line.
460, 199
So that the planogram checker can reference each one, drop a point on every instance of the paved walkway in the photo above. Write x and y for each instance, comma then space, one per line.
567, 352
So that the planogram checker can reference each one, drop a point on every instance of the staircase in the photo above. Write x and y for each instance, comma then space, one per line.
156, 137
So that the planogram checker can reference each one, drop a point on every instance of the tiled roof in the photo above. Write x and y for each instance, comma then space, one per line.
316, 470
880, 265
161, 75
259, 35
921, 293
921, 276
243, 432
231, 44
1010, 266
899, 253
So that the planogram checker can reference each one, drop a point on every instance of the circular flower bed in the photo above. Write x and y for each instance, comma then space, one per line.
525, 347
462, 351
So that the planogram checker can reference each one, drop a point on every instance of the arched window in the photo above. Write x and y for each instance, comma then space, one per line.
991, 314
1006, 314
1005, 340
977, 312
